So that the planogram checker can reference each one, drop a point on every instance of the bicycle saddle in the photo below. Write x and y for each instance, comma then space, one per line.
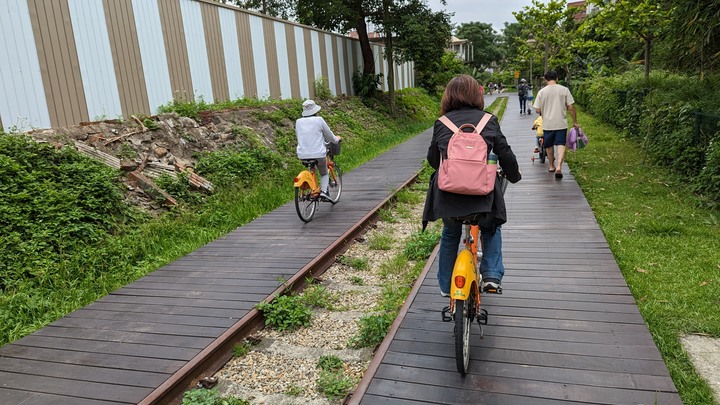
472, 219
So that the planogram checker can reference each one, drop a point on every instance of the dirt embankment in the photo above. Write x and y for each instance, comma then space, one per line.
163, 144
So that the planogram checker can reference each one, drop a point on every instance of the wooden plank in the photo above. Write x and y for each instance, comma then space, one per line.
193, 342
90, 359
8, 396
481, 385
536, 372
144, 327
82, 373
118, 348
154, 317
62, 386
196, 303
422, 393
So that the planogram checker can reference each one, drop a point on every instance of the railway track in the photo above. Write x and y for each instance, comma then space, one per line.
199, 370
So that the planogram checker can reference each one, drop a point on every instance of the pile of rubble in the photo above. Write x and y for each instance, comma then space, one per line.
147, 147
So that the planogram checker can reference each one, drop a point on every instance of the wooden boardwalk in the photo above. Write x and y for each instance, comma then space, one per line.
125, 346
566, 329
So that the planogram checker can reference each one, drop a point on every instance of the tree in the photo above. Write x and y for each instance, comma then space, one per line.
551, 25
693, 42
342, 15
410, 28
487, 50
422, 36
633, 19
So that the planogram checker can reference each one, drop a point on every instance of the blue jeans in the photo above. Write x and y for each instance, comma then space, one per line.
491, 265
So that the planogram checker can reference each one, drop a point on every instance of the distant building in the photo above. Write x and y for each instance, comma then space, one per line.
372, 36
585, 9
463, 48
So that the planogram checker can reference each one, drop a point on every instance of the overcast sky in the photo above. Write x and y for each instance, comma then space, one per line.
495, 12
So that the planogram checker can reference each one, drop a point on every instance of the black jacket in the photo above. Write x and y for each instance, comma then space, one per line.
441, 204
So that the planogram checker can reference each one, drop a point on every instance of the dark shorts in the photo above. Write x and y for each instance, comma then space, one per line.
554, 137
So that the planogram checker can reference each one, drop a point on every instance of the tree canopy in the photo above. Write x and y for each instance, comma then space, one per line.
487, 47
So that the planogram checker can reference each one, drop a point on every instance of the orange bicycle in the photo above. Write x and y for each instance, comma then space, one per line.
465, 290
307, 186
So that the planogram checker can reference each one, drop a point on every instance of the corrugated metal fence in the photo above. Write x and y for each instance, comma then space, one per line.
67, 61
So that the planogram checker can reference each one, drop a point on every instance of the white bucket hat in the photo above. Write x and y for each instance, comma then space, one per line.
309, 108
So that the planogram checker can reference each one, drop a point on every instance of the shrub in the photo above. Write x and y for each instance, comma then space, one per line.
674, 118
366, 85
237, 166
286, 312
330, 362
373, 329
52, 204
322, 89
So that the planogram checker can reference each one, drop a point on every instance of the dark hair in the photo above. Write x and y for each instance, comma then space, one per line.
462, 91
550, 75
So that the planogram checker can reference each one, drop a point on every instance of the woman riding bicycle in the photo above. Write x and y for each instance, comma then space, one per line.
463, 103
312, 133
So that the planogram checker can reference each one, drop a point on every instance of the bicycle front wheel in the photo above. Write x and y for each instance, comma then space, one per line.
463, 321
305, 204
335, 186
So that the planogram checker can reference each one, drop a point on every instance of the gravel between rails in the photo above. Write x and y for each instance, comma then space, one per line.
286, 362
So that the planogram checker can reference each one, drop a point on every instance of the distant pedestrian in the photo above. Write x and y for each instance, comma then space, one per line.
553, 102
522, 95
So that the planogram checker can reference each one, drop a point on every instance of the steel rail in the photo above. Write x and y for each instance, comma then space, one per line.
216, 354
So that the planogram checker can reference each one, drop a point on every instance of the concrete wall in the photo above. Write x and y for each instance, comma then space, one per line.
68, 61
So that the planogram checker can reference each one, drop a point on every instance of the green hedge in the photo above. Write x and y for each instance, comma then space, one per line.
675, 118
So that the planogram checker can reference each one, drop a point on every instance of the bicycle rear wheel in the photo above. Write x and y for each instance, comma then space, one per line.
305, 204
463, 321
335, 186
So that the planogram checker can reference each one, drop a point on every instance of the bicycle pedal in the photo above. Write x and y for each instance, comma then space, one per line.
446, 315
482, 318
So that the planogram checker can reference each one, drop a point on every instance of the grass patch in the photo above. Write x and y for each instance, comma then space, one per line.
332, 382
318, 296
241, 349
666, 245
357, 263
355, 280
201, 396
381, 241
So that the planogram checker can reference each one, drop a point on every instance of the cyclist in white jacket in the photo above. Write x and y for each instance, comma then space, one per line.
312, 134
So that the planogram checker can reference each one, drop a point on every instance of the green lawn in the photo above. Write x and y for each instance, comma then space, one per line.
667, 246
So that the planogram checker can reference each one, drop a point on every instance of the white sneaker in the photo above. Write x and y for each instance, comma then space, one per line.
492, 285
324, 196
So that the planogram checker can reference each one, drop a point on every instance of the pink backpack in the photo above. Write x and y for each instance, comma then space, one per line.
466, 171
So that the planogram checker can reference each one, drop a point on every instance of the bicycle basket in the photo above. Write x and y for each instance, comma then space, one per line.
333, 149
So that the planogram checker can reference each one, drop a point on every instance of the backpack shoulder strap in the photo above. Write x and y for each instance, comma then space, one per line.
446, 121
483, 121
